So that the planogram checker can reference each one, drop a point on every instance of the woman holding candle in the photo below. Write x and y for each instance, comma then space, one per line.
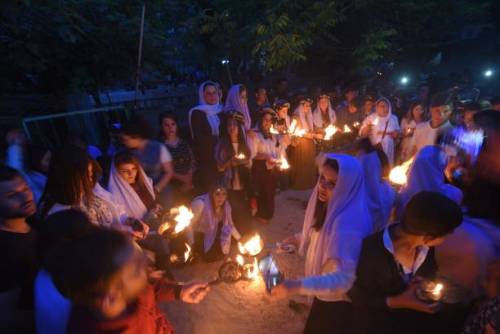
323, 116
382, 128
303, 173
237, 99
212, 225
232, 154
336, 221
415, 115
394, 261
266, 150
182, 158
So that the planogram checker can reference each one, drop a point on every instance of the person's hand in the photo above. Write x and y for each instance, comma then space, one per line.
319, 136
195, 292
155, 275
286, 288
409, 300
138, 229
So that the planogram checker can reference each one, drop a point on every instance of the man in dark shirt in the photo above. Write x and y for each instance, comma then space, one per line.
261, 101
17, 247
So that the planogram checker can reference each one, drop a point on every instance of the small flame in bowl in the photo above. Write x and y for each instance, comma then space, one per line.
252, 247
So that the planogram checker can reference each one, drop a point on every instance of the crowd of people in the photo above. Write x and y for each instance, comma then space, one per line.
79, 231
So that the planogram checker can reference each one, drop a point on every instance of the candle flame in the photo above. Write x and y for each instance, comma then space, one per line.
375, 121
293, 125
399, 174
240, 260
187, 253
355, 124
241, 156
163, 227
252, 247
273, 130
183, 218
347, 129
253, 270
284, 164
438, 290
330, 130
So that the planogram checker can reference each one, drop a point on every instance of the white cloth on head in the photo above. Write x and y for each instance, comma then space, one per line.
211, 110
427, 174
389, 124
234, 102
318, 117
340, 238
305, 119
125, 196
380, 196
205, 221
115, 208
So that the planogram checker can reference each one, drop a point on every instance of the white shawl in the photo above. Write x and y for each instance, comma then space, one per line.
211, 110
379, 195
318, 118
234, 102
306, 121
206, 222
125, 196
346, 224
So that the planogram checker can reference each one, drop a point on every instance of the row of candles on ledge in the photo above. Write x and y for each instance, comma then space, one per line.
296, 131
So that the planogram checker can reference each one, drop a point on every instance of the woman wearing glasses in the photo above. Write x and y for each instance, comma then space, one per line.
335, 224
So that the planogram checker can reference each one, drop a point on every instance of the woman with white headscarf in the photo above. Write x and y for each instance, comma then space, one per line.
237, 100
337, 220
381, 197
303, 171
427, 174
204, 126
382, 128
323, 114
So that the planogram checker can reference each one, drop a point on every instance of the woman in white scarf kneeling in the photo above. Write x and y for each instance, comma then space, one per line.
336, 222
212, 225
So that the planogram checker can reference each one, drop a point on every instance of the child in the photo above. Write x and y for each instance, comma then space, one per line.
104, 275
392, 261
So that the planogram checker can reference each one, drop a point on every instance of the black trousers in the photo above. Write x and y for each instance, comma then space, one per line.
240, 206
330, 318
265, 181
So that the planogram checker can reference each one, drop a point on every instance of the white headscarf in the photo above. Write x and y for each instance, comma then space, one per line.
306, 121
347, 213
115, 209
318, 118
427, 174
211, 110
234, 102
379, 195
125, 196
208, 224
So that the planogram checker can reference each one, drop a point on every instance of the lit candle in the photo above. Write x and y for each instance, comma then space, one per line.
398, 174
347, 129
330, 130
252, 247
241, 156
437, 292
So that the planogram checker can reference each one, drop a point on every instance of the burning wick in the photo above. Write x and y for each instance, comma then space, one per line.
284, 164
241, 156
437, 291
251, 270
273, 130
252, 247
347, 129
295, 130
398, 174
330, 130
375, 121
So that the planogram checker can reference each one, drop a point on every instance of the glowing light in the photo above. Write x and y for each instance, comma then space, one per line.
283, 163
183, 218
347, 129
252, 270
225, 61
488, 73
292, 127
404, 80
355, 124
330, 130
252, 247
375, 121
163, 227
187, 253
399, 174
438, 290
273, 130
241, 156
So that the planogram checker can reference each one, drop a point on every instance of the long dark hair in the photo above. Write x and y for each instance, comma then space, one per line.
225, 148
321, 207
68, 180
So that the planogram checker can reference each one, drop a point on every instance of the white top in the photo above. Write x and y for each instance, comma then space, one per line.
52, 309
426, 135
165, 155
408, 273
236, 177
265, 146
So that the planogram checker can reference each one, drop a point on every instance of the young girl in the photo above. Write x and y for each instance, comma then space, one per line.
104, 275
392, 262
267, 149
182, 158
233, 161
323, 114
303, 168
212, 225
409, 123
336, 221
382, 128
237, 99
131, 187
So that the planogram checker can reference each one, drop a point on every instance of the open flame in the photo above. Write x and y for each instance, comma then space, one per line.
356, 124
273, 130
183, 218
241, 156
347, 129
438, 290
187, 253
292, 127
296, 130
252, 270
240, 260
252, 247
163, 227
375, 121
330, 130
399, 174
284, 164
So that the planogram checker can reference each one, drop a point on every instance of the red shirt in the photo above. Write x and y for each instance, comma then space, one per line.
143, 316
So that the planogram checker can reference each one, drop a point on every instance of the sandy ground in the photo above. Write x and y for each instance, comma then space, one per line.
244, 307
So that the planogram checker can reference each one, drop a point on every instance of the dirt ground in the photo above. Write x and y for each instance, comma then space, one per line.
244, 307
